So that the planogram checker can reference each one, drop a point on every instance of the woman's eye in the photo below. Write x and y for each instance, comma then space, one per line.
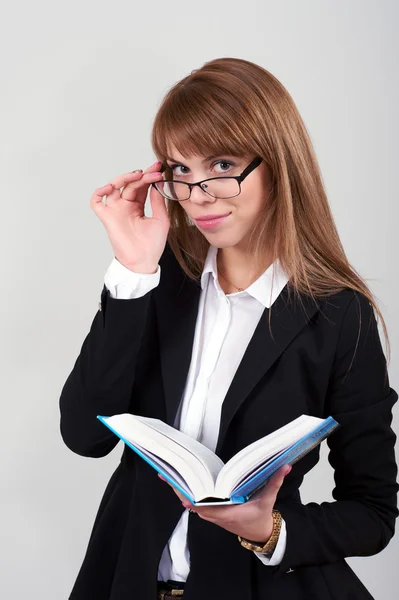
224, 162
173, 167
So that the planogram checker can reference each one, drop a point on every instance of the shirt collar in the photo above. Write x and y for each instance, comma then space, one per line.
264, 289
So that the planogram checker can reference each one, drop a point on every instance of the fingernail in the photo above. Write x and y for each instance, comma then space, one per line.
137, 171
157, 162
289, 469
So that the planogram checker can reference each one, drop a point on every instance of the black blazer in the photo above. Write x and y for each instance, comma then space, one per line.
136, 359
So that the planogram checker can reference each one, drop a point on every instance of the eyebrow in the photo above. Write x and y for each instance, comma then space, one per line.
203, 160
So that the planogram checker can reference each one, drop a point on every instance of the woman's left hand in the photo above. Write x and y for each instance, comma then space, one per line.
252, 520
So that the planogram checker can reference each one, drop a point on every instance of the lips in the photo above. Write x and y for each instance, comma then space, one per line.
211, 221
211, 217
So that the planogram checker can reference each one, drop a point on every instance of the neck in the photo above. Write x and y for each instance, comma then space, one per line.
237, 266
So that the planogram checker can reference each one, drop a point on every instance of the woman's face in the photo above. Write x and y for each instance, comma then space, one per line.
242, 210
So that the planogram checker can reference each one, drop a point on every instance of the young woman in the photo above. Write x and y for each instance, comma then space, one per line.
229, 312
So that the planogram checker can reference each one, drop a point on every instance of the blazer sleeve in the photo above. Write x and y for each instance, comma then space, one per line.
361, 521
102, 379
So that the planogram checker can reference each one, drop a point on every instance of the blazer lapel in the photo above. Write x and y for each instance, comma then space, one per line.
288, 316
177, 307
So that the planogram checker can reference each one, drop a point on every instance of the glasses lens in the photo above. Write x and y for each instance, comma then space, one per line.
173, 190
224, 187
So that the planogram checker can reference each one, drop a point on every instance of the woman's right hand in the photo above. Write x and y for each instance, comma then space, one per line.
137, 241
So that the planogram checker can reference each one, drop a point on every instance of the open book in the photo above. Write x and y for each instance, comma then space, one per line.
199, 473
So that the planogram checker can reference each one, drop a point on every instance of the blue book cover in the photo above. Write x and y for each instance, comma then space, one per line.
289, 457
260, 477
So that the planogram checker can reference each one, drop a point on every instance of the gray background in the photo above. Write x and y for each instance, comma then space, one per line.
80, 85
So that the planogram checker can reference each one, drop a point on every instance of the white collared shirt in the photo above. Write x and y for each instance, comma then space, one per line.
224, 327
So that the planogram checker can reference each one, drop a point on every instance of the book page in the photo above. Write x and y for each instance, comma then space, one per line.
166, 468
253, 456
257, 469
209, 460
147, 433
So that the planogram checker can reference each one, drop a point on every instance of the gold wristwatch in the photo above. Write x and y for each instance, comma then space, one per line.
271, 542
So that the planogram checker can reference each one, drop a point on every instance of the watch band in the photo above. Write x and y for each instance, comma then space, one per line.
272, 541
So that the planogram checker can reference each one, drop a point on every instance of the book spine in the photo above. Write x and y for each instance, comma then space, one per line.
290, 456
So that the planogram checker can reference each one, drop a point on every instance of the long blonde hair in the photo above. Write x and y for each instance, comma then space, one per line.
233, 106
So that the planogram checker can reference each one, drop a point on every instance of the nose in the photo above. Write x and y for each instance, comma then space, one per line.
198, 196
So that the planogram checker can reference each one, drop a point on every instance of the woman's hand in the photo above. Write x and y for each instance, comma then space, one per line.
137, 241
252, 520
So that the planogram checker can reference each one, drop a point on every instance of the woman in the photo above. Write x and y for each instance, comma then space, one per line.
228, 328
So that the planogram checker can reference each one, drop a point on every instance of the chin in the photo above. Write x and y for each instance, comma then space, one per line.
223, 239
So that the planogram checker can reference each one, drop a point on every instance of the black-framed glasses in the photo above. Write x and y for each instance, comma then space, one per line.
217, 187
